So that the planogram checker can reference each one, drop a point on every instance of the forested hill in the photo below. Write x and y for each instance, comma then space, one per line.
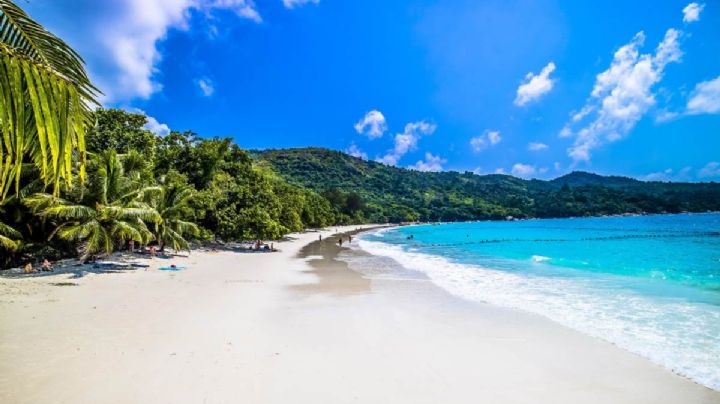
371, 191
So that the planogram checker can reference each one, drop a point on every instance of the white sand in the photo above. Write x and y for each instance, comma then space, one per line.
242, 328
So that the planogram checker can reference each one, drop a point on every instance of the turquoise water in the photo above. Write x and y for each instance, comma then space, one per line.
650, 284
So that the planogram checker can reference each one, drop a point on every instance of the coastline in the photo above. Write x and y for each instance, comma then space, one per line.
300, 325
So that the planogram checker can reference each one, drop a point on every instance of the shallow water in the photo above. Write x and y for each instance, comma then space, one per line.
650, 284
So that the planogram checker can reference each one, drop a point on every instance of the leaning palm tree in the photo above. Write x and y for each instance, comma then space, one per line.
46, 103
172, 206
111, 214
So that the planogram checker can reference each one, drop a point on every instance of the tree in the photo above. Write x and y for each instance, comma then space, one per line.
121, 131
172, 205
9, 237
112, 213
45, 103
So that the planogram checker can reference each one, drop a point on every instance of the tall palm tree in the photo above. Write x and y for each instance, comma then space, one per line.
45, 102
172, 206
112, 213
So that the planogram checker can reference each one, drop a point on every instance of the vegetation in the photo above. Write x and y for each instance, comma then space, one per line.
369, 191
45, 103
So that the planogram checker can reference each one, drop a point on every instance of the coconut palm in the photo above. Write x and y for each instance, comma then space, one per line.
112, 213
9, 237
172, 206
45, 102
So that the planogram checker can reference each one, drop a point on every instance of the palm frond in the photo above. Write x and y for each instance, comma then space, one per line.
45, 102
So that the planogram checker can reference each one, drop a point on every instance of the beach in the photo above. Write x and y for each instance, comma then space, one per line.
299, 325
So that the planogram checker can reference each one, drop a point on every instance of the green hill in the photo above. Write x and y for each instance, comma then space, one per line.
370, 191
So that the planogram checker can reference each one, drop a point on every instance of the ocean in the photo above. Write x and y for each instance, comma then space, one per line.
649, 284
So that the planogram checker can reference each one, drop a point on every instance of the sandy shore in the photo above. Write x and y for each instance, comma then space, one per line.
297, 326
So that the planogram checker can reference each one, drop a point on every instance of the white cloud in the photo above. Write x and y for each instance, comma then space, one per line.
119, 39
296, 3
523, 170
500, 171
711, 170
489, 138
431, 163
372, 125
669, 175
705, 98
152, 124
536, 146
355, 151
206, 86
691, 12
566, 131
622, 94
406, 141
535, 86
557, 166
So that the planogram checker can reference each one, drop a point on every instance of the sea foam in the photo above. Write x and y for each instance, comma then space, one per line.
680, 335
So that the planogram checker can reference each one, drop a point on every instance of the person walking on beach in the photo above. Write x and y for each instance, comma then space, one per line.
340, 241
349, 239
320, 237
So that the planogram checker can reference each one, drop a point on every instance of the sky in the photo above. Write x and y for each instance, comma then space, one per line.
533, 88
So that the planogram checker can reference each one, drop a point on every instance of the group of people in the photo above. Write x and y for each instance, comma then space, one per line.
46, 266
259, 245
340, 240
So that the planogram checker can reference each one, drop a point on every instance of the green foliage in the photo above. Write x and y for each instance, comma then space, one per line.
361, 190
111, 213
45, 103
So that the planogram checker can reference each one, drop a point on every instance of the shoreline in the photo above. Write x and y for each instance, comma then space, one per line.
300, 325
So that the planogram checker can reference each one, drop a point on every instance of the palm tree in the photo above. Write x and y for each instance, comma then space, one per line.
46, 102
172, 206
9, 237
112, 213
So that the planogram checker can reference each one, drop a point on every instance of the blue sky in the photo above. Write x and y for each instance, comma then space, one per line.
533, 88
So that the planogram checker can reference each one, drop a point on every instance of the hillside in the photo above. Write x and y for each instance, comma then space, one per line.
370, 191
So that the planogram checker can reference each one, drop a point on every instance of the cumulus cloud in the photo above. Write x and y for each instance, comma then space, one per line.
705, 98
206, 86
622, 94
535, 86
372, 125
296, 3
711, 170
489, 138
669, 175
152, 124
523, 170
406, 141
691, 12
536, 146
120, 38
355, 151
431, 163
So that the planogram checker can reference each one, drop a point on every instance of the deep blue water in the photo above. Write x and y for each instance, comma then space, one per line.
650, 284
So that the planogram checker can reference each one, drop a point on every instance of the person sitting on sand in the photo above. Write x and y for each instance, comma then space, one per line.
46, 266
28, 268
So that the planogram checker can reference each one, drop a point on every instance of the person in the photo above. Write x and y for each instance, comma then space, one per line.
320, 237
153, 251
46, 266
349, 239
28, 268
340, 241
